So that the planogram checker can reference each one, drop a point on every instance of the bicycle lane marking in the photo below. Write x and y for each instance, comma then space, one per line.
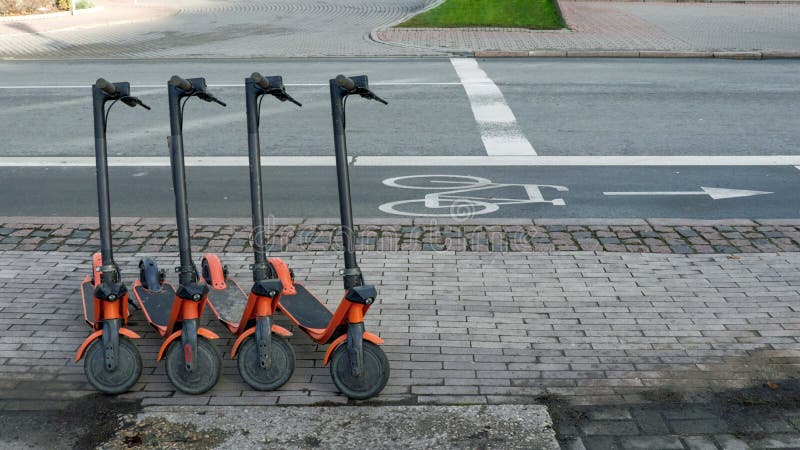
500, 133
462, 196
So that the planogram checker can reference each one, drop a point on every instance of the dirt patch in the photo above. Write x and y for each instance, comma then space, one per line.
750, 414
21, 7
82, 423
158, 433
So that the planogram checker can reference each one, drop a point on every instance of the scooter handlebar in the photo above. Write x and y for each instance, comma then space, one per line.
105, 86
262, 82
180, 83
345, 83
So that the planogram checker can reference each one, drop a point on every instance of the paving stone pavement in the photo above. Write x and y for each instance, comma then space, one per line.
571, 329
624, 26
762, 416
305, 28
231, 235
228, 29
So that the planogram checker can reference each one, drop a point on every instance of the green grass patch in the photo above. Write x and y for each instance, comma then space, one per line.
533, 14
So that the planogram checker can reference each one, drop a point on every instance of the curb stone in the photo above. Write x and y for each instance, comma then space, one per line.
509, 426
623, 235
656, 54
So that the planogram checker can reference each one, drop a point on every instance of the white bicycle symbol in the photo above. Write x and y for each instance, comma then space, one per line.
451, 196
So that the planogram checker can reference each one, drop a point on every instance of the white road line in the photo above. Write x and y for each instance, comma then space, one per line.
163, 161
411, 161
149, 86
500, 132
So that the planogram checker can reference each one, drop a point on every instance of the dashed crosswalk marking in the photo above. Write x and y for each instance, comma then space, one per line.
500, 133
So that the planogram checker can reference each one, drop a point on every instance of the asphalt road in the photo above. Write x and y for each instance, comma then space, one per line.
311, 192
564, 107
578, 108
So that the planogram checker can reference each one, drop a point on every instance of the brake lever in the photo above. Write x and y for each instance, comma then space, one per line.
371, 96
133, 101
210, 98
283, 96
375, 97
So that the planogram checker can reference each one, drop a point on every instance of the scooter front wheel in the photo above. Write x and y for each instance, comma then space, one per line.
206, 371
374, 374
119, 380
269, 378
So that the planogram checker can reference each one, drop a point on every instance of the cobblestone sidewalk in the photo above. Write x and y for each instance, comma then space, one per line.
591, 334
306, 28
222, 28
104, 13
630, 29
297, 235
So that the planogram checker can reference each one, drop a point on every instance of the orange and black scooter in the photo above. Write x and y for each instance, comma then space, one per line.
264, 357
193, 363
111, 361
358, 365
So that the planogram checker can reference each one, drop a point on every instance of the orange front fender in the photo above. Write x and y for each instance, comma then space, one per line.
129, 333
85, 345
205, 332
217, 274
96, 335
277, 329
284, 275
374, 338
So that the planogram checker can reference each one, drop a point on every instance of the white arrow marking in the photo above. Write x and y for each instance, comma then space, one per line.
714, 193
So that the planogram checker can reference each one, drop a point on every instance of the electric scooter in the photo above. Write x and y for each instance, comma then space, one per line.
264, 357
358, 365
112, 362
193, 363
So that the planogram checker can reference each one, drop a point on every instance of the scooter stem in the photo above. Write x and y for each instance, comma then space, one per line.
352, 273
261, 270
101, 160
187, 269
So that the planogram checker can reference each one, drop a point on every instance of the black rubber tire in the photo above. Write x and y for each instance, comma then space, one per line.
127, 373
373, 379
205, 272
273, 377
208, 366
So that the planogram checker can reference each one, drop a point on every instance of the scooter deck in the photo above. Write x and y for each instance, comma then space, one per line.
157, 305
305, 309
87, 292
228, 304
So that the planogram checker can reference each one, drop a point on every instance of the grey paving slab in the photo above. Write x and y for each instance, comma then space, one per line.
724, 27
460, 327
228, 29
625, 29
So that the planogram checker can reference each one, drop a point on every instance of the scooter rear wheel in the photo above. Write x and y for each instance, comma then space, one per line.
270, 378
121, 379
207, 367
374, 375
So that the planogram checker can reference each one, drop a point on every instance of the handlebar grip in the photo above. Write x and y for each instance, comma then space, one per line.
105, 86
180, 83
345, 83
259, 80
